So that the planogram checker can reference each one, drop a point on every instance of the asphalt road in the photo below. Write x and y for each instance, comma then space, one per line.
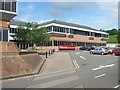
91, 71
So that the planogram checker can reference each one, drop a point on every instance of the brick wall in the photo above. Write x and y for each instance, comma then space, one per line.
78, 38
4, 24
8, 47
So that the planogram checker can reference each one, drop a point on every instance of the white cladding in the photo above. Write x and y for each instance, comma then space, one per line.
72, 27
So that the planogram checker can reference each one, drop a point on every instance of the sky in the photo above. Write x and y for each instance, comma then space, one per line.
99, 15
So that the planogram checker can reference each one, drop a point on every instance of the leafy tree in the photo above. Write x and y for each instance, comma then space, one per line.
40, 36
30, 33
112, 32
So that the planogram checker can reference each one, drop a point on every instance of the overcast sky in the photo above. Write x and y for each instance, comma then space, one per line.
99, 15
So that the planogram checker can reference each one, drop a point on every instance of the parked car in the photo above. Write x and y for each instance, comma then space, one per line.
101, 51
90, 48
87, 48
116, 51
83, 48
110, 49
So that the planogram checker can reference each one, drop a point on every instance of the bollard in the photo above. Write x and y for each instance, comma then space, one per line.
53, 50
49, 52
46, 54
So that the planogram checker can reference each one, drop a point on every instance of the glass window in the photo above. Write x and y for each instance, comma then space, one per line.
5, 35
3, 5
7, 6
0, 35
97, 35
0, 5
13, 6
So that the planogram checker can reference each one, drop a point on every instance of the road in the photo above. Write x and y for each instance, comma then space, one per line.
91, 71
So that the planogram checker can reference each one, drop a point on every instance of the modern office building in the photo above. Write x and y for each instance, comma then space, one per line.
74, 34
8, 10
65, 33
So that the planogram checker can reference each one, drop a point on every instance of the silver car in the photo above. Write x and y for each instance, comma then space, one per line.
101, 51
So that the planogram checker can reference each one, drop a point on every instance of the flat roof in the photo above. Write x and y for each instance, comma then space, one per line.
17, 22
67, 23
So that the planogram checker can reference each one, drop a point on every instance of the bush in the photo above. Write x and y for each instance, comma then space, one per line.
32, 48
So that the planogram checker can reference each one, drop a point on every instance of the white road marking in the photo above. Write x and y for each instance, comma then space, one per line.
82, 57
102, 67
12, 79
100, 76
77, 52
116, 86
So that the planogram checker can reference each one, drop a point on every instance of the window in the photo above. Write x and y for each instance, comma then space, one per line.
8, 6
5, 35
13, 6
0, 5
0, 35
92, 34
97, 35
78, 32
13, 30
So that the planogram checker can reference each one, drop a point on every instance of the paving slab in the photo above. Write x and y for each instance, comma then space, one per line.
59, 61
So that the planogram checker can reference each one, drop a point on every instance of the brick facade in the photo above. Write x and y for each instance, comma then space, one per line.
4, 24
79, 38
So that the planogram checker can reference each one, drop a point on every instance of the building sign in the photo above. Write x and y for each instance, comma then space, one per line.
91, 38
66, 47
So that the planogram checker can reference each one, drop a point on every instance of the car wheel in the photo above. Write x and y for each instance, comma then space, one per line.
102, 53
91, 52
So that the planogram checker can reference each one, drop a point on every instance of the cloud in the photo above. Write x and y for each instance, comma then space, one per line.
55, 13
26, 12
110, 10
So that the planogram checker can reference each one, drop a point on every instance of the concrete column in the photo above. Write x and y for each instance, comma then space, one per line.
19, 46
52, 42
89, 33
52, 28
85, 44
25, 45
69, 30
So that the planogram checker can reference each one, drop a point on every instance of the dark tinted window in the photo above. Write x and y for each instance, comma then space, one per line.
5, 35
0, 5
7, 6
14, 6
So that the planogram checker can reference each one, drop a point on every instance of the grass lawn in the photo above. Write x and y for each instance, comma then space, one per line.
112, 39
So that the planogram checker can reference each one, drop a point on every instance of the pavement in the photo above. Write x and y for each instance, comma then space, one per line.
90, 71
59, 61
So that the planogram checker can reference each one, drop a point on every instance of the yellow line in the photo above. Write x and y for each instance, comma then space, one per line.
76, 64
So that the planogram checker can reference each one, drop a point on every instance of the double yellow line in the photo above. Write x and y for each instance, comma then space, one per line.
76, 64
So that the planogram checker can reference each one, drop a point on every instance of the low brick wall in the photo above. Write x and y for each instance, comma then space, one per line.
8, 47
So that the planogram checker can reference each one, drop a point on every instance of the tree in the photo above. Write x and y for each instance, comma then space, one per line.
112, 32
40, 36
30, 33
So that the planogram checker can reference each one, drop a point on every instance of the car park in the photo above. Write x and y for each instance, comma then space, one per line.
116, 51
87, 48
110, 49
101, 51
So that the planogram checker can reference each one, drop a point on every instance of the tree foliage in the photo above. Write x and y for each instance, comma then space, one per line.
30, 33
112, 32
